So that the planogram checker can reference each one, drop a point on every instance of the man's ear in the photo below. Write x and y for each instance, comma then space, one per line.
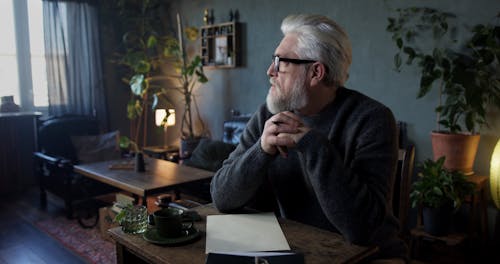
317, 73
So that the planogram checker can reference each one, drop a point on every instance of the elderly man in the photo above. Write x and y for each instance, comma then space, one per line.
323, 154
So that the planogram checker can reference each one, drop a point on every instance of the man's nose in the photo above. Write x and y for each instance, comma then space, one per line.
270, 70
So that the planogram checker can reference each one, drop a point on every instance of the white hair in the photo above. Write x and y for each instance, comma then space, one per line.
320, 38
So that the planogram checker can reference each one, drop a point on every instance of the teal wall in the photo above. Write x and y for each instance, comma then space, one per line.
245, 87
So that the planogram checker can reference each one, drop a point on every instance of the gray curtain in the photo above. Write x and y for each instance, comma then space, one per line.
74, 69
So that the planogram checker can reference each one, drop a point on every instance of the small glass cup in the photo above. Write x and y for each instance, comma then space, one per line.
135, 220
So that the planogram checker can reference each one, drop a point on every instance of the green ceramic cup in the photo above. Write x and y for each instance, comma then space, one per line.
169, 222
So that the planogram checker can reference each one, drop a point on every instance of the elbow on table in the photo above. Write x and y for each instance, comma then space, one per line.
223, 204
218, 201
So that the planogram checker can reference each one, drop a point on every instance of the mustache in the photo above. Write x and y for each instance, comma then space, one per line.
272, 81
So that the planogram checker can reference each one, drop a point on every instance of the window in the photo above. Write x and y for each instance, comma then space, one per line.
38, 72
8, 59
22, 59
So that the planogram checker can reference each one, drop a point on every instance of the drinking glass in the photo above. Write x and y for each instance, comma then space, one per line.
135, 220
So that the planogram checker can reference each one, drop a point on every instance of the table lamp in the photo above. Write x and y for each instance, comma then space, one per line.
162, 119
495, 175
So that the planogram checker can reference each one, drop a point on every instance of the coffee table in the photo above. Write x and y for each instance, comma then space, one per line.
160, 176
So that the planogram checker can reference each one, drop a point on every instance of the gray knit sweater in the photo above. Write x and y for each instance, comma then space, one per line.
339, 177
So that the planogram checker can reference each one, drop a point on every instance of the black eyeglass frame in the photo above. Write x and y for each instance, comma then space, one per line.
277, 59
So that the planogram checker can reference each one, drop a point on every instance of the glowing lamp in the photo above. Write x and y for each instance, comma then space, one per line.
171, 117
495, 175
160, 115
162, 119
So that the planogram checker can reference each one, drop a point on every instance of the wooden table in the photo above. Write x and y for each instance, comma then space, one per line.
317, 245
160, 176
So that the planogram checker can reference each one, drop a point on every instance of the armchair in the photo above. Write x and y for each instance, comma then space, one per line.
56, 156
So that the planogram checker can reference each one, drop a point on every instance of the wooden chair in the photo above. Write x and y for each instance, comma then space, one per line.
402, 185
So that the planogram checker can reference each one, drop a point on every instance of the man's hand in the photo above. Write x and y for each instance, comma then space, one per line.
282, 131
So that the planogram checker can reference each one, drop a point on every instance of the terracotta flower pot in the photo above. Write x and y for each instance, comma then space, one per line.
459, 150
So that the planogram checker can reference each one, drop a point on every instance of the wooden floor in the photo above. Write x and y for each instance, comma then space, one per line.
20, 241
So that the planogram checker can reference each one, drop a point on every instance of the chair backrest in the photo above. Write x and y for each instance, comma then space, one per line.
233, 128
54, 135
402, 185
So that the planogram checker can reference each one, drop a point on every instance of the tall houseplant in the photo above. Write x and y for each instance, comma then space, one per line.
140, 51
189, 73
148, 53
465, 74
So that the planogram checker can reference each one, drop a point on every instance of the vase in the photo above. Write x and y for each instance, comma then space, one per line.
8, 105
139, 162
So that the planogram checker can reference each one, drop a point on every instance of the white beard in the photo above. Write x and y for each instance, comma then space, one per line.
296, 98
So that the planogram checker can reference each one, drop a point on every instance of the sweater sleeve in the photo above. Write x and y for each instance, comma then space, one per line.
244, 171
352, 186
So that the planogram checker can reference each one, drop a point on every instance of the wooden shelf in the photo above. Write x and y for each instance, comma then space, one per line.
220, 45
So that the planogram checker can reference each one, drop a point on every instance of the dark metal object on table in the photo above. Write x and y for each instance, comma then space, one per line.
139, 163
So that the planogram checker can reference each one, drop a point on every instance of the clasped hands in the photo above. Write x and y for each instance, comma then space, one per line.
282, 131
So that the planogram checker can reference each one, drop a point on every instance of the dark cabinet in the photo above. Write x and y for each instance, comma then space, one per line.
17, 143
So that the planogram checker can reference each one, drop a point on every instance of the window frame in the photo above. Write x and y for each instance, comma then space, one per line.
22, 34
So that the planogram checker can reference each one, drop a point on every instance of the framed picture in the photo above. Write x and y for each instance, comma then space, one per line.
221, 50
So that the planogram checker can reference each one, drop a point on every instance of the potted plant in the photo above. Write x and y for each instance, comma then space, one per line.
148, 53
189, 73
141, 53
439, 192
465, 74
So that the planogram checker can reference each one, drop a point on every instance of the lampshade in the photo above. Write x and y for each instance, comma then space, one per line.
160, 115
171, 117
495, 175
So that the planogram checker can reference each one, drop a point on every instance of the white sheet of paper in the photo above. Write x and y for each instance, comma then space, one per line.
244, 232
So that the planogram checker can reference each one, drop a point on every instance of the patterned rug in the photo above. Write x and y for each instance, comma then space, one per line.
86, 242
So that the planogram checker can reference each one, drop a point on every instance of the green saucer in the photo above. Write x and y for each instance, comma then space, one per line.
152, 236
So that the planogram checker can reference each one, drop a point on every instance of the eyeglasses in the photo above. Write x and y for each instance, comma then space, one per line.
277, 59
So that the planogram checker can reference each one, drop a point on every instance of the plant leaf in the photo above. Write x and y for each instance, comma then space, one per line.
399, 42
152, 41
154, 103
397, 61
136, 84
425, 85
